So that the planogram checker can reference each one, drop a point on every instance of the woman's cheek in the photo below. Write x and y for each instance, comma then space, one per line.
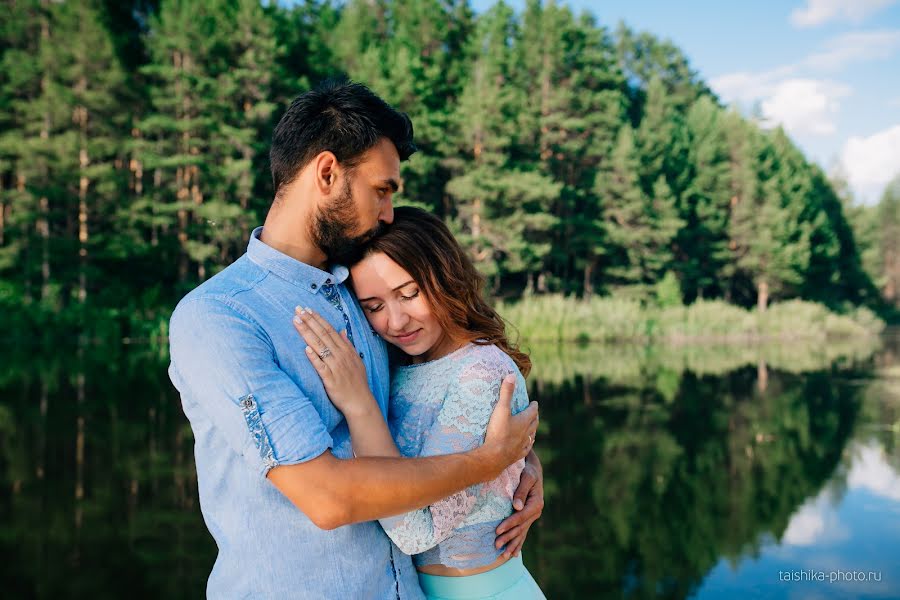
379, 322
422, 310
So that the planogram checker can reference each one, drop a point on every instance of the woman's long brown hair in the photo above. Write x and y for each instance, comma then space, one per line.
422, 244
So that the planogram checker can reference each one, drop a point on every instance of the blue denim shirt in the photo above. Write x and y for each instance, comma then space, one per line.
254, 401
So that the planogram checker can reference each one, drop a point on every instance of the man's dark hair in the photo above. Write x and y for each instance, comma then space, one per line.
343, 117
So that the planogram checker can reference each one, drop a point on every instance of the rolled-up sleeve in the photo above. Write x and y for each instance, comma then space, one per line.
224, 365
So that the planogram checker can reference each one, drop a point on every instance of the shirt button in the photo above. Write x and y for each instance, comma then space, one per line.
361, 355
313, 286
248, 402
328, 281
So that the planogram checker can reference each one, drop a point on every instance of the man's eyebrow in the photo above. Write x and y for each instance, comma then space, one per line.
391, 183
399, 287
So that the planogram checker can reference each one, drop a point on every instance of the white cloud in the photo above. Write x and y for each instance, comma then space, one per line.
853, 47
870, 470
816, 523
817, 12
871, 162
805, 106
801, 105
749, 87
838, 53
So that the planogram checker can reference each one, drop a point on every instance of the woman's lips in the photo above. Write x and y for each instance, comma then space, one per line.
408, 338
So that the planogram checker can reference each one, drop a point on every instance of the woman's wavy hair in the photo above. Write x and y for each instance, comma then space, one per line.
422, 244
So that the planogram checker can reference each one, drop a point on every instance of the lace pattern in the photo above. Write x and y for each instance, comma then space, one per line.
442, 407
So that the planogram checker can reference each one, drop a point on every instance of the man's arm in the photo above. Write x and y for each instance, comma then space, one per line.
334, 492
528, 502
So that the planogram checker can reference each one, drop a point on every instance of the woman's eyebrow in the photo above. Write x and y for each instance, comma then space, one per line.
402, 285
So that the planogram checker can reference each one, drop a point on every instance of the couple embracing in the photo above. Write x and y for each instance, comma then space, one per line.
361, 422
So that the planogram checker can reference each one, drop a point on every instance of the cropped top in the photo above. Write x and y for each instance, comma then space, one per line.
442, 407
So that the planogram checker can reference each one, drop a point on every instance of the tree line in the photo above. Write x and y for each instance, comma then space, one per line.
568, 156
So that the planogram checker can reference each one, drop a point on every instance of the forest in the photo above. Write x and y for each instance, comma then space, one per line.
571, 157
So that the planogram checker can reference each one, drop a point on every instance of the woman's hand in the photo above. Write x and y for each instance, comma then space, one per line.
337, 363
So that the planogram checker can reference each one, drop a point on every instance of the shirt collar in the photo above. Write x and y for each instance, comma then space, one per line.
290, 269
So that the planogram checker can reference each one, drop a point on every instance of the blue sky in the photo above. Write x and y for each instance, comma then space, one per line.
827, 70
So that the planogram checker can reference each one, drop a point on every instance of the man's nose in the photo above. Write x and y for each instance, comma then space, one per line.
387, 212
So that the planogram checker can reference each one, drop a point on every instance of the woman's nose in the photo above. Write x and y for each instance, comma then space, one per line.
397, 319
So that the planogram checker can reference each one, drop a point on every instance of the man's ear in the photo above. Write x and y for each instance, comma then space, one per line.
327, 168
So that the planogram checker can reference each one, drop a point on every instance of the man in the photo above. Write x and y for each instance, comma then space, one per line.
267, 440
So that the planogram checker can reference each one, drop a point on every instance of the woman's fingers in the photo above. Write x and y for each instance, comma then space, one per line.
309, 336
318, 364
323, 329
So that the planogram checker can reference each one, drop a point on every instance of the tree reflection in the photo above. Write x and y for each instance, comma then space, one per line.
648, 490
659, 463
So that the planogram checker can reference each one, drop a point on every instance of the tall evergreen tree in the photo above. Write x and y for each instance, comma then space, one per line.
501, 207
771, 241
703, 242
409, 52
567, 67
640, 227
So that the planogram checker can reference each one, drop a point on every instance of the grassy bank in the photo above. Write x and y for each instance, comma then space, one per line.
562, 319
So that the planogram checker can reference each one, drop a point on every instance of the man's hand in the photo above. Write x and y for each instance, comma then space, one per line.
528, 501
508, 437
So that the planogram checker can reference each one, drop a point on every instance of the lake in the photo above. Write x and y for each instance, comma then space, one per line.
702, 472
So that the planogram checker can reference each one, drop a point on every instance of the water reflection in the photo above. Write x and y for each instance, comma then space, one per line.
671, 472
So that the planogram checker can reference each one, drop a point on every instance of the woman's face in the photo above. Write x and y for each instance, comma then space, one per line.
397, 310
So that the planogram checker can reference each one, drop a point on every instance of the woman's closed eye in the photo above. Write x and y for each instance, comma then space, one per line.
373, 308
409, 297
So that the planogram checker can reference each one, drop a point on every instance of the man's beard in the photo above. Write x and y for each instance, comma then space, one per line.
331, 227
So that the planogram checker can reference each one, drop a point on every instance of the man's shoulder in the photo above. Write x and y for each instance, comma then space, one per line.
222, 291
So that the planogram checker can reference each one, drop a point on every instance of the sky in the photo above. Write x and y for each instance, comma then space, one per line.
826, 70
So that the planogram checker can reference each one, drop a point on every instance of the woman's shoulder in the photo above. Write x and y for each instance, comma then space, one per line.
485, 359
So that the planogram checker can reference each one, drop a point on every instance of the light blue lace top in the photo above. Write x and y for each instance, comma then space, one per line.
441, 407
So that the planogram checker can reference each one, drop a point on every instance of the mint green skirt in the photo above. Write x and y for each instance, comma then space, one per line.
509, 581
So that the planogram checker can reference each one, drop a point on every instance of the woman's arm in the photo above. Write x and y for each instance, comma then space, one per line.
459, 426
344, 376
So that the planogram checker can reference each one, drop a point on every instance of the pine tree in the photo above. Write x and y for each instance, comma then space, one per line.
567, 67
97, 98
409, 52
640, 228
501, 208
20, 85
198, 139
643, 58
771, 241
703, 242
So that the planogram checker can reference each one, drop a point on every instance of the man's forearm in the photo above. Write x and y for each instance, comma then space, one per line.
334, 492
382, 487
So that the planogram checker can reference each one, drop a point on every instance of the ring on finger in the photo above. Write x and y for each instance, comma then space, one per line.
325, 353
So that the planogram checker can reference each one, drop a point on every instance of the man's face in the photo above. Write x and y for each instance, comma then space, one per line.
361, 207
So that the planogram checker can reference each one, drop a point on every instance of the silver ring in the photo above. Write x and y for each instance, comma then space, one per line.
325, 353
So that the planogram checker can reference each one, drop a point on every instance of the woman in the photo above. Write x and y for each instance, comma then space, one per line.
421, 293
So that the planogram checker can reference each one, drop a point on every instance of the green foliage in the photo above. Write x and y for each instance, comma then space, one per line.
567, 158
610, 319
668, 291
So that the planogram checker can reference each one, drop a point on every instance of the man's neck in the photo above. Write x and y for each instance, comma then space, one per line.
289, 234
